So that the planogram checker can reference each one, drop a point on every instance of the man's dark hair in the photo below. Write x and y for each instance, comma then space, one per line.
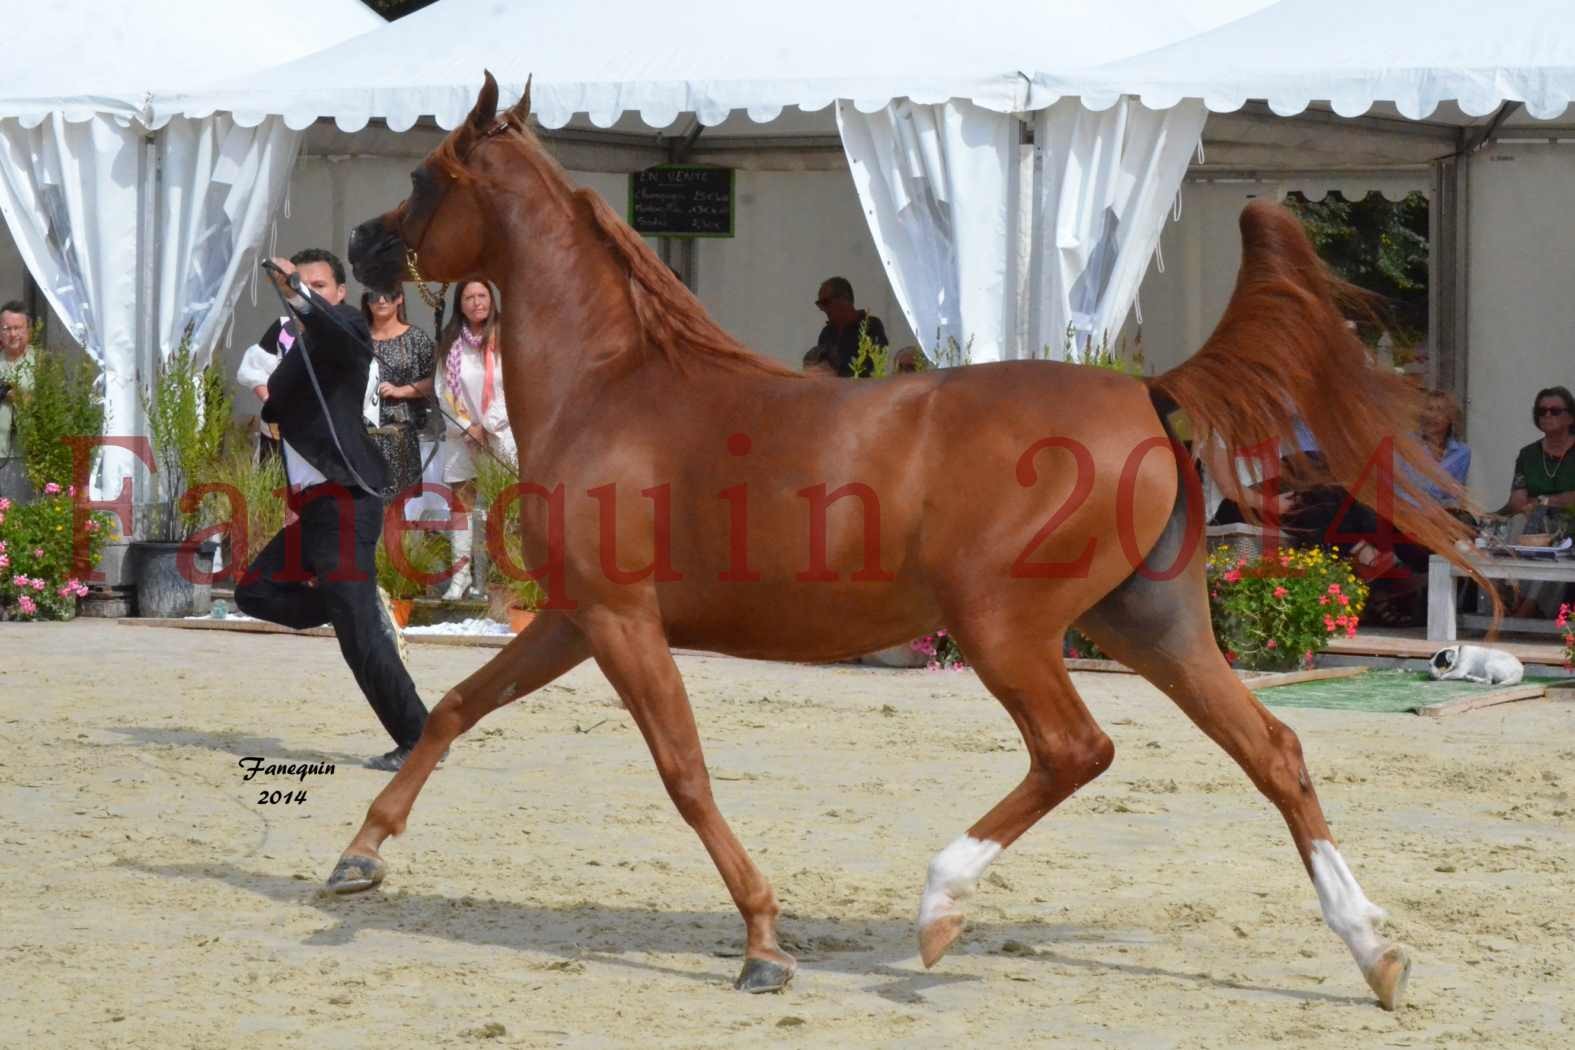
13, 306
321, 255
840, 288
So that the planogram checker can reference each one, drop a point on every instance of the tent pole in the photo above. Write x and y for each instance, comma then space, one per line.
146, 368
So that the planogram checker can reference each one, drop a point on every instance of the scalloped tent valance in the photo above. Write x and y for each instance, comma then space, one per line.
1353, 55
711, 58
84, 58
704, 57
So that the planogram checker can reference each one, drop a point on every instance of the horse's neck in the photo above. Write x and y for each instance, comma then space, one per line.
569, 323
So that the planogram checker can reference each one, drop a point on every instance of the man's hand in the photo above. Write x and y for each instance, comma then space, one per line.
281, 276
476, 436
261, 392
389, 391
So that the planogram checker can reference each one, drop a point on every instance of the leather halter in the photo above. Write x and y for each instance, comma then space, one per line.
413, 255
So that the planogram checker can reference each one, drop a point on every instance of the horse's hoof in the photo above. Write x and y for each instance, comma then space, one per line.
1387, 977
938, 936
355, 873
763, 975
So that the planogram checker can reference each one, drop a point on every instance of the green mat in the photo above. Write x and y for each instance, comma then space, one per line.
1382, 692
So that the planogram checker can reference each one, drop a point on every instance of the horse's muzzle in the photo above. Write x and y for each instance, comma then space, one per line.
377, 254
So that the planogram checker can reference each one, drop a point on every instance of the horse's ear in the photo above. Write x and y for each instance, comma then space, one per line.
485, 112
521, 109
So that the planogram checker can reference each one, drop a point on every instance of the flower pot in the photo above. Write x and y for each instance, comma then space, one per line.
402, 608
519, 618
162, 590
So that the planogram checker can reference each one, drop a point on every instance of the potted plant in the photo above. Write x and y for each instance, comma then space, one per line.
1273, 612
248, 492
44, 554
188, 413
426, 554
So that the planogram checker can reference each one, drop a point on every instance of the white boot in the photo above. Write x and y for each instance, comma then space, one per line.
459, 584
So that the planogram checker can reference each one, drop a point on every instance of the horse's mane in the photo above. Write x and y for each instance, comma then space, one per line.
672, 321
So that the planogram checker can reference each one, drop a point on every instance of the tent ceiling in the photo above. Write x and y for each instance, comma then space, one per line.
705, 57
1354, 54
81, 57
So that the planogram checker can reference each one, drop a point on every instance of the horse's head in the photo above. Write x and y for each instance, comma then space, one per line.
443, 220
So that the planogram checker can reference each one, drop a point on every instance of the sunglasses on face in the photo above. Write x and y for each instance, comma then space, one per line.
1550, 410
381, 297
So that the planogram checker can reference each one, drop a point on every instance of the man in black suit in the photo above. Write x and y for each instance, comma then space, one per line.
320, 568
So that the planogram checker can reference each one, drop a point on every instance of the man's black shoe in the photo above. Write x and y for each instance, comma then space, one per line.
391, 762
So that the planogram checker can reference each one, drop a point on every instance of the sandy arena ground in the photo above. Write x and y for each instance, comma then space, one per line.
546, 894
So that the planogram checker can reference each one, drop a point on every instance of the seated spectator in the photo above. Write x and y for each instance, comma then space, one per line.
1543, 492
838, 344
1399, 599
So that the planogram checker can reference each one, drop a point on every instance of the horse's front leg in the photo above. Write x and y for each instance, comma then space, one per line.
548, 647
632, 652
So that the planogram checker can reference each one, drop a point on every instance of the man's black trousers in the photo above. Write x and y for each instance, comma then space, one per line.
321, 569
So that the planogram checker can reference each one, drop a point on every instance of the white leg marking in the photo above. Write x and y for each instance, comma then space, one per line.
954, 873
1345, 907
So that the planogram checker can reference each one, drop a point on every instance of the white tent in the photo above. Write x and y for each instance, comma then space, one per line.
137, 229
1355, 54
931, 115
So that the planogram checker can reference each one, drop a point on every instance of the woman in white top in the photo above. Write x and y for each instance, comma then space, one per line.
470, 388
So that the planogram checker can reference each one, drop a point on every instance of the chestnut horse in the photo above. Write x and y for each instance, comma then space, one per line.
680, 490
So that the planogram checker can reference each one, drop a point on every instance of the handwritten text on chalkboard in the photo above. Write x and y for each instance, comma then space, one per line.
682, 200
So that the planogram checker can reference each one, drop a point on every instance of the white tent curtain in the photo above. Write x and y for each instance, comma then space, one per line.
1107, 181
69, 193
938, 186
219, 189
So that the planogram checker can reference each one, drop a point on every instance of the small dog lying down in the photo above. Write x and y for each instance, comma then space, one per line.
1476, 663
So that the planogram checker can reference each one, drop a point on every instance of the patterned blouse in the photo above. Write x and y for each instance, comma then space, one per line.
403, 360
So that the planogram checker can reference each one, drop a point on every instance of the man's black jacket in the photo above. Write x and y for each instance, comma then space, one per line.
342, 363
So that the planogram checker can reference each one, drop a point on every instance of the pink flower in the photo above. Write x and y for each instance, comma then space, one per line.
933, 665
1230, 656
1350, 630
90, 525
26, 605
958, 665
20, 581
1323, 599
1234, 576
71, 490
1562, 619
51, 488
1271, 644
1334, 588
38, 583
5, 504
1280, 592
940, 632
1241, 563
38, 552
1328, 624
1345, 599
4, 560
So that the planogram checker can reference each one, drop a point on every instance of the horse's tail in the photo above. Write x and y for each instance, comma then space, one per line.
1283, 351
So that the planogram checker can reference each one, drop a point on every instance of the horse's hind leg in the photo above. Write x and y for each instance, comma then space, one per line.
548, 647
634, 656
1161, 630
1066, 749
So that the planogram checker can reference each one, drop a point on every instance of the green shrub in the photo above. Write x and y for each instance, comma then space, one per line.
42, 561
188, 417
1274, 612
61, 403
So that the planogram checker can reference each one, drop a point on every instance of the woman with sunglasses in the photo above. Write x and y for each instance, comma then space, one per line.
405, 359
1543, 492
1544, 469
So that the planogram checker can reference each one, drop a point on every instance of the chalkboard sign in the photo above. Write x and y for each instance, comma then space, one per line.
682, 200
